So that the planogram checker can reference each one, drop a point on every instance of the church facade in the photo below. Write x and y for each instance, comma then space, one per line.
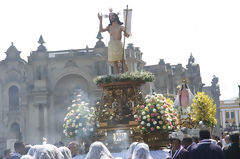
35, 94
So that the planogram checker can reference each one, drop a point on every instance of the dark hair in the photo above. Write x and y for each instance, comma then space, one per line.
234, 138
188, 139
204, 134
6, 152
118, 21
17, 145
195, 139
185, 86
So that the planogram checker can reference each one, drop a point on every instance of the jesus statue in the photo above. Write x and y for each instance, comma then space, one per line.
115, 46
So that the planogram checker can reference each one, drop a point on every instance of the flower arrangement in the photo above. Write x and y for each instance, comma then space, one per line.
80, 120
128, 76
156, 115
204, 110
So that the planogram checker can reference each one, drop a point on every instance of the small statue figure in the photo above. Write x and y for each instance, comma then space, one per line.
115, 46
184, 97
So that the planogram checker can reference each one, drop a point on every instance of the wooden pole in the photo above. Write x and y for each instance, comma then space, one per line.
124, 38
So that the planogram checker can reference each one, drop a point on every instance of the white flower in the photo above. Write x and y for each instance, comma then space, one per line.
154, 110
154, 122
144, 117
135, 116
91, 129
169, 127
80, 124
143, 113
76, 131
148, 124
161, 111
142, 122
157, 105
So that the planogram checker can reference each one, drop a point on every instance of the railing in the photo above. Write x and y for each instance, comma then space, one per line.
83, 52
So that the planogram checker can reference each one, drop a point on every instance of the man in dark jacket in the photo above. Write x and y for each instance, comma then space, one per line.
188, 143
206, 149
233, 151
19, 150
178, 151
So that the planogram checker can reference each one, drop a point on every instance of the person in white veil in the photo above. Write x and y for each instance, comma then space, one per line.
66, 152
130, 150
47, 151
33, 149
26, 157
141, 151
98, 150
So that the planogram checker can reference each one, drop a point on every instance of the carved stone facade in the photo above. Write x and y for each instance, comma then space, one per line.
168, 77
35, 94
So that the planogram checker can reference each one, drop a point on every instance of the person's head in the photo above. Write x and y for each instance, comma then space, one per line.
141, 151
98, 150
187, 141
26, 157
47, 151
66, 152
224, 134
7, 153
219, 143
19, 147
195, 139
227, 139
74, 148
176, 143
131, 149
113, 17
204, 134
234, 138
27, 148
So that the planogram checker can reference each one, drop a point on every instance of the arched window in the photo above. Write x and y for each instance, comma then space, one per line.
13, 94
15, 131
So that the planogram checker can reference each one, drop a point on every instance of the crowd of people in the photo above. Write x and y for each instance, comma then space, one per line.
187, 148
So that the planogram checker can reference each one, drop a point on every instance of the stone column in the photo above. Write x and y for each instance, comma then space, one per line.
45, 114
236, 117
223, 119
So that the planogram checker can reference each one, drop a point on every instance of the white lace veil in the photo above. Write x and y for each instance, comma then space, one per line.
130, 150
98, 150
141, 152
66, 152
26, 157
33, 149
46, 151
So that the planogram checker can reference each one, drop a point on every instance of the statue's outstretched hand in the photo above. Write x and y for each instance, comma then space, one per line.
126, 34
100, 17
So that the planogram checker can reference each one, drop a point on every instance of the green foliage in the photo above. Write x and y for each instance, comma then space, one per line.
204, 110
128, 76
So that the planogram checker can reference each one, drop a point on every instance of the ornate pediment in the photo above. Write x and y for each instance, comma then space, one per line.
70, 63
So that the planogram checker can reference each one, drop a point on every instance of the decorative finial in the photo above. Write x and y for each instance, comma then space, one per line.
41, 41
99, 36
41, 47
110, 10
12, 43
